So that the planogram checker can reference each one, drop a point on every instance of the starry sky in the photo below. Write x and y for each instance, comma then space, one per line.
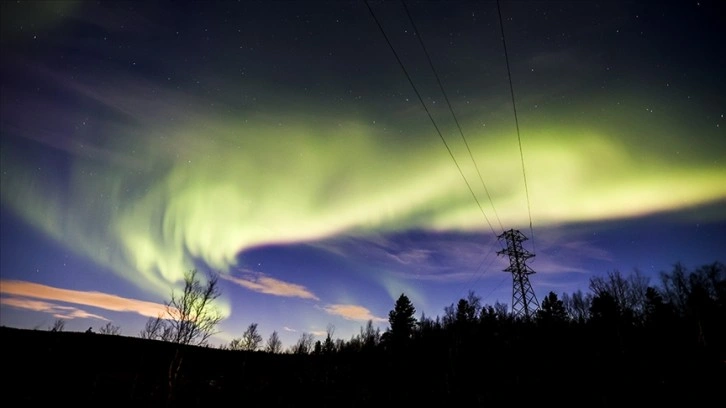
325, 157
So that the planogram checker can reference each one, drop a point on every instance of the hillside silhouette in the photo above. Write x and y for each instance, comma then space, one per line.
666, 347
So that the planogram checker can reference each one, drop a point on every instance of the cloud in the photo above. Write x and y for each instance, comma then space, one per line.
423, 256
319, 333
287, 329
258, 282
61, 312
87, 298
353, 312
412, 256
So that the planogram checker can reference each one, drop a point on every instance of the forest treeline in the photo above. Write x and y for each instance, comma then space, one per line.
625, 341
685, 307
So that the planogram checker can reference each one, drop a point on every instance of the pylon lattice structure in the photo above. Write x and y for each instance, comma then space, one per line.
524, 301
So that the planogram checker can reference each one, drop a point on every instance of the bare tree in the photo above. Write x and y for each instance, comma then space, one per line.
475, 305
466, 311
354, 344
449, 315
502, 310
157, 328
58, 325
110, 329
234, 345
676, 287
427, 324
192, 315
274, 345
329, 345
577, 306
304, 344
152, 328
250, 340
628, 292
698, 296
190, 318
370, 337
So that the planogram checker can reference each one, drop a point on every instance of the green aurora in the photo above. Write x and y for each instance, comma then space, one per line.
211, 187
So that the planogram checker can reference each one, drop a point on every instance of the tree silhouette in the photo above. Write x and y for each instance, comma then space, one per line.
273, 345
304, 344
426, 324
329, 345
449, 315
234, 344
466, 312
676, 287
604, 309
156, 329
401, 320
577, 306
250, 341
657, 312
627, 292
192, 314
606, 318
110, 329
699, 298
190, 318
673, 355
370, 337
58, 325
552, 310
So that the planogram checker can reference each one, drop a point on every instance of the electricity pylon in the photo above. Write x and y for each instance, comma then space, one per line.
524, 301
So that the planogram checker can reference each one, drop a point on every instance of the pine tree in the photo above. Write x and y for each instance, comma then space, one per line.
402, 320
552, 310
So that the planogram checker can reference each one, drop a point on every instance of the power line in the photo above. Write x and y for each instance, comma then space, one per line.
451, 109
400, 63
516, 122
470, 283
495, 288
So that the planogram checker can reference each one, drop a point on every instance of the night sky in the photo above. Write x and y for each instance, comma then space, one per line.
282, 145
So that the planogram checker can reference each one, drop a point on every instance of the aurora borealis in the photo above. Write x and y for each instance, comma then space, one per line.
281, 145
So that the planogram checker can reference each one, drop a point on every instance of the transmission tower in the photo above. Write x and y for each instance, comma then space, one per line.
524, 301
